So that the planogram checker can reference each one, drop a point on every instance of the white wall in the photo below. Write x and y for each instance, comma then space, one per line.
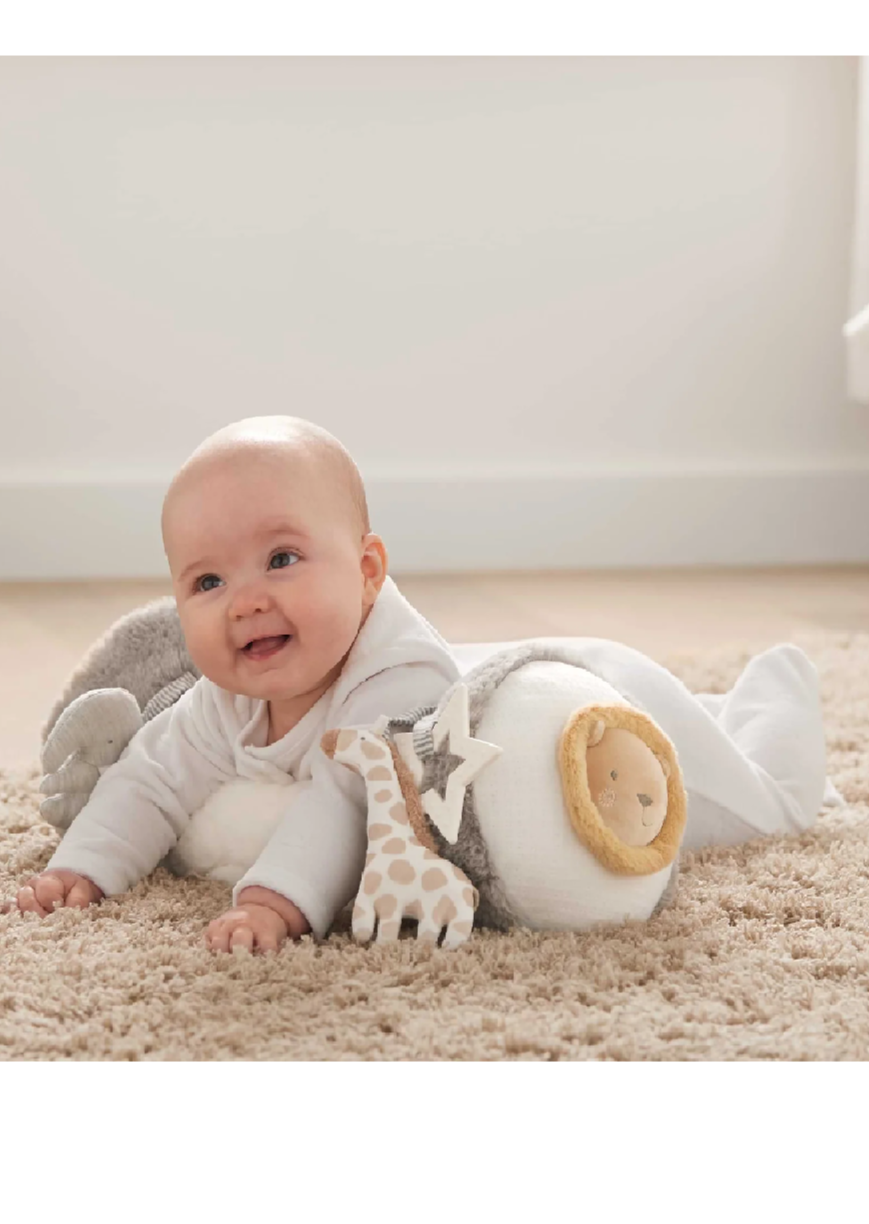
584, 311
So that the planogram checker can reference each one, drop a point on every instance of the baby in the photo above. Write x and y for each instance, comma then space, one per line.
288, 612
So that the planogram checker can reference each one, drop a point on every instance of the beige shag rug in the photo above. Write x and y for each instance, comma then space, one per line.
765, 954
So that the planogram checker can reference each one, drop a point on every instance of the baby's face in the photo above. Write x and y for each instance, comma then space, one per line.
268, 578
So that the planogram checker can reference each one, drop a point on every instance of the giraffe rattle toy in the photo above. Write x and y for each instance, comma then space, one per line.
404, 877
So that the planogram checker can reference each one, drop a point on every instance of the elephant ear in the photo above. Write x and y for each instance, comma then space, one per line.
96, 727
144, 653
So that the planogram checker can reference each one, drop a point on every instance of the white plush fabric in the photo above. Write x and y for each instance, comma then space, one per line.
551, 880
226, 836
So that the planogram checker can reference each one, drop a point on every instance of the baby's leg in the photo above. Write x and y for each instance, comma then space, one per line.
772, 718
753, 759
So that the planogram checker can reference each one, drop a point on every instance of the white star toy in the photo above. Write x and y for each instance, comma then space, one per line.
476, 754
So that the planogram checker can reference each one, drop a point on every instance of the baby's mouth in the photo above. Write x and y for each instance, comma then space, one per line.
265, 647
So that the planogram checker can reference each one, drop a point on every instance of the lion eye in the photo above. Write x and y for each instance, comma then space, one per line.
614, 775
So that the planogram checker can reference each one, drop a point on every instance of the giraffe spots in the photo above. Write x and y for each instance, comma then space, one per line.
345, 739
468, 897
459, 874
430, 854
462, 927
433, 878
395, 845
398, 812
414, 840
329, 743
401, 871
414, 909
369, 857
383, 796
374, 752
379, 774
371, 883
376, 831
385, 905
445, 911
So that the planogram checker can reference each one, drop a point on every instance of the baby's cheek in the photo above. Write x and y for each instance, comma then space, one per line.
205, 643
334, 623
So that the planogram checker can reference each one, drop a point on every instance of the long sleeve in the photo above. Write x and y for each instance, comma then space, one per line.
316, 855
142, 803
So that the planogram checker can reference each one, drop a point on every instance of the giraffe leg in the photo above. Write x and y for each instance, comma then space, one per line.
388, 918
428, 929
388, 929
364, 919
458, 930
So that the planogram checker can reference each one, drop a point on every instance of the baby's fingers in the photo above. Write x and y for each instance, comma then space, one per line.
267, 941
217, 935
49, 891
28, 902
241, 937
220, 932
80, 895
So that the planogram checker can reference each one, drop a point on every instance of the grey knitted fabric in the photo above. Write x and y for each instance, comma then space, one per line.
486, 676
168, 695
142, 652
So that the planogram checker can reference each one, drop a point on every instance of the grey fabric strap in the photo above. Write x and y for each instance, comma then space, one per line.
168, 695
419, 721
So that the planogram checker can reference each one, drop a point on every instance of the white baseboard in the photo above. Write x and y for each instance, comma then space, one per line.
63, 529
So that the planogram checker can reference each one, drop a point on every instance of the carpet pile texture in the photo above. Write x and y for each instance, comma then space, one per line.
764, 955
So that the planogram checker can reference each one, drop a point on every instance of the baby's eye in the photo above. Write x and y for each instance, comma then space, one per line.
199, 584
291, 558
613, 775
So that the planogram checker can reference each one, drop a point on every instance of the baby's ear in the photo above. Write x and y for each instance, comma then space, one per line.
374, 563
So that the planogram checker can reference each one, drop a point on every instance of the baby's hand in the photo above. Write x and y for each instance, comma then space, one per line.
255, 927
261, 922
54, 889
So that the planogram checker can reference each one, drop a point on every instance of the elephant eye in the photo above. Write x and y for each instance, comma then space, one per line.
613, 775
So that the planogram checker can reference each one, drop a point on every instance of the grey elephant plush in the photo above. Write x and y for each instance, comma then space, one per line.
139, 667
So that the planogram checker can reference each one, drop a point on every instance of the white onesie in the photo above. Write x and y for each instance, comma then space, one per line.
142, 804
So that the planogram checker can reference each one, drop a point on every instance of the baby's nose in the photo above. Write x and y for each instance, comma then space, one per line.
249, 600
645, 800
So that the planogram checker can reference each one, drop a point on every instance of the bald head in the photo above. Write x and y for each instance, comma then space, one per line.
297, 446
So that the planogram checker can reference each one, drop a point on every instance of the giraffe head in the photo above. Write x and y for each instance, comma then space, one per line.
355, 747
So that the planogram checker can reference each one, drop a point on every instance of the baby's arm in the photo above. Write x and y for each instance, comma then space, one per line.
139, 806
315, 857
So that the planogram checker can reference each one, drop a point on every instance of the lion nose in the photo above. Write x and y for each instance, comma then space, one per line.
645, 800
